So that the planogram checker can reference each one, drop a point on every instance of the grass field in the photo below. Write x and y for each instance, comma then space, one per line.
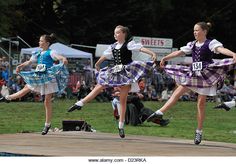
219, 125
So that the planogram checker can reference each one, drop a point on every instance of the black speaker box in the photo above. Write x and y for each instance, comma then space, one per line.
72, 125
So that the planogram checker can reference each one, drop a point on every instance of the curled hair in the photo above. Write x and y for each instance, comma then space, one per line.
204, 25
125, 30
49, 38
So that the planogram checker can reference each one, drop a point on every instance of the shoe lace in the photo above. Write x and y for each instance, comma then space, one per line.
198, 137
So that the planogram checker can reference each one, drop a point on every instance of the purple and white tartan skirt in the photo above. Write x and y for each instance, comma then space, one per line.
212, 75
130, 74
53, 80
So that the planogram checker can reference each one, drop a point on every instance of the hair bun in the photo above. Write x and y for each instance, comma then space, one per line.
209, 24
53, 37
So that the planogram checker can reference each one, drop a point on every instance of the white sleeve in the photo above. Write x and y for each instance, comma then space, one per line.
108, 53
54, 55
33, 58
133, 46
188, 48
214, 44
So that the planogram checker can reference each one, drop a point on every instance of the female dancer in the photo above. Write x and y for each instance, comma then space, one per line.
46, 79
202, 77
123, 74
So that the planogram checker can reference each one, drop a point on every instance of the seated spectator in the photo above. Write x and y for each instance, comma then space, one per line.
136, 113
143, 89
185, 97
2, 82
4, 90
154, 95
227, 92
79, 90
88, 72
226, 105
5, 73
164, 95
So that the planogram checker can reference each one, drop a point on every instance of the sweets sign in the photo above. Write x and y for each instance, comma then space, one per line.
154, 42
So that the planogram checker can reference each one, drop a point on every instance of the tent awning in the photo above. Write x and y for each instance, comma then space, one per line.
63, 50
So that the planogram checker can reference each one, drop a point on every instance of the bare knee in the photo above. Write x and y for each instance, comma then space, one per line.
48, 99
201, 101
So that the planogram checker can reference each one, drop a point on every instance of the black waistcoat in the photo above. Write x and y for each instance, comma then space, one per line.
122, 55
202, 53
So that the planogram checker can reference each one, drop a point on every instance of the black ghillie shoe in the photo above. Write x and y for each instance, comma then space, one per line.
121, 133
3, 99
153, 117
164, 122
74, 107
198, 138
222, 106
45, 130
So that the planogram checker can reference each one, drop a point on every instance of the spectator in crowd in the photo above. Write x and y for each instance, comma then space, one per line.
152, 94
5, 73
136, 113
2, 81
88, 73
226, 105
5, 62
4, 89
159, 81
80, 90
28, 67
227, 92
164, 94
143, 88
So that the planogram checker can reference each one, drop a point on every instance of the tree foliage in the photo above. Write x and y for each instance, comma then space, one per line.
92, 21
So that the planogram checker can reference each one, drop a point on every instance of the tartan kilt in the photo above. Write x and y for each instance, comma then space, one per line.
58, 73
131, 73
213, 74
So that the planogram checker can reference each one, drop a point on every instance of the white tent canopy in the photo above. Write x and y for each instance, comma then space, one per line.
61, 49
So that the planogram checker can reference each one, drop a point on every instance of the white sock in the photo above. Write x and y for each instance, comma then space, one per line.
198, 131
7, 97
79, 103
159, 112
230, 104
121, 125
47, 124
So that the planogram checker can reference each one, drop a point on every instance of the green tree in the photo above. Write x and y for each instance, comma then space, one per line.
38, 17
92, 21
7, 14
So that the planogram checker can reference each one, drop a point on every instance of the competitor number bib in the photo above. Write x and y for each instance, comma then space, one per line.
197, 66
117, 68
41, 68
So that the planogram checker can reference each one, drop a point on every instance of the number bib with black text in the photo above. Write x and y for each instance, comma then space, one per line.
117, 68
197, 66
41, 68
